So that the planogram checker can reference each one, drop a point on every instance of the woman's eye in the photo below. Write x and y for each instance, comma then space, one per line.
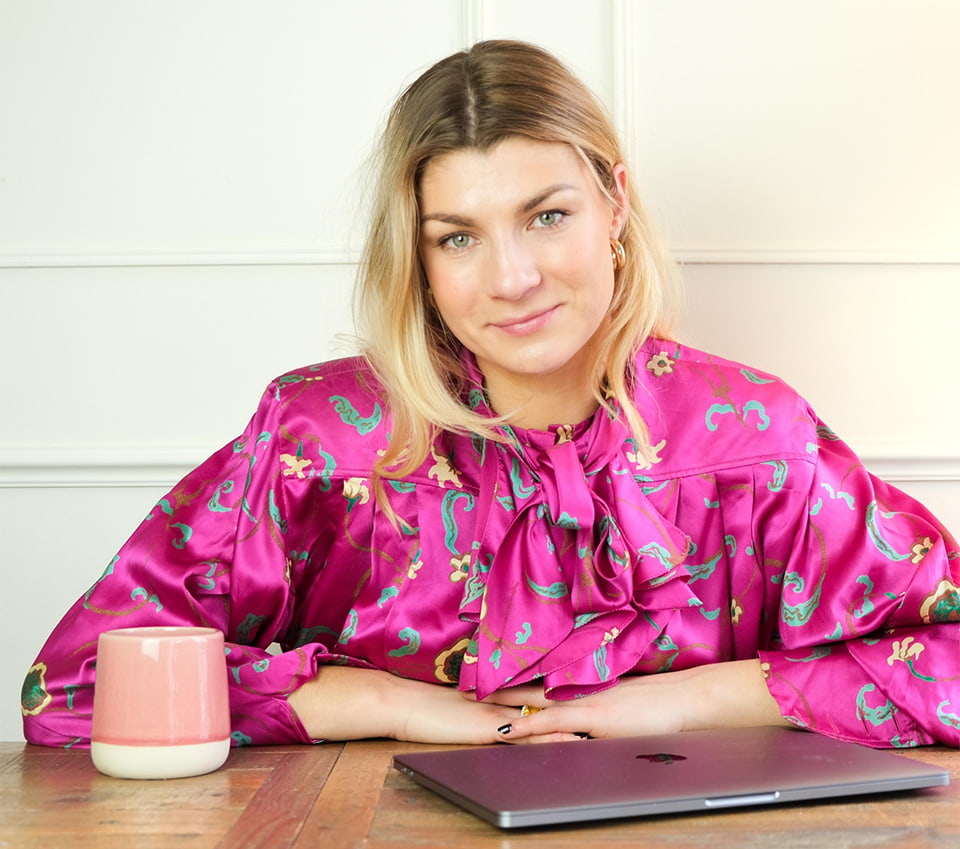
549, 219
456, 240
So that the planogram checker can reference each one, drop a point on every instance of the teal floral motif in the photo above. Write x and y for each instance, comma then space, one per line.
799, 614
702, 571
668, 647
309, 635
278, 520
600, 662
867, 607
214, 505
950, 719
725, 409
247, 630
349, 415
207, 582
817, 653
448, 504
876, 535
151, 598
525, 634
350, 629
185, 533
839, 494
387, 594
518, 487
557, 589
710, 615
71, 690
779, 475
658, 553
874, 715
412, 639
402, 486
754, 378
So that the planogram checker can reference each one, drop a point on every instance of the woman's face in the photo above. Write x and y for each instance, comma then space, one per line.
515, 243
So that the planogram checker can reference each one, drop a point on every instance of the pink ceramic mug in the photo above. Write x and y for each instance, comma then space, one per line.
160, 704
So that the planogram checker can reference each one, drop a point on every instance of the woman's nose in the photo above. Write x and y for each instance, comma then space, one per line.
514, 270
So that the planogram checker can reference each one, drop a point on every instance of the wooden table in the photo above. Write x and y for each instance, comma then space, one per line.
333, 795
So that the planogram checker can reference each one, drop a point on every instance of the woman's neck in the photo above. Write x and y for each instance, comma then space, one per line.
542, 402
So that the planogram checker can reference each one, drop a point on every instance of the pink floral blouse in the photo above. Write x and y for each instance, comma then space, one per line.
557, 556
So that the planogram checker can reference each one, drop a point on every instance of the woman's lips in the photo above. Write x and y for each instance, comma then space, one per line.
526, 324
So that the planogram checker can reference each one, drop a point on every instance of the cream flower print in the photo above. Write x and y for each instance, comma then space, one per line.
295, 465
415, 567
610, 636
458, 567
905, 651
642, 462
736, 611
661, 364
447, 664
443, 471
355, 491
921, 549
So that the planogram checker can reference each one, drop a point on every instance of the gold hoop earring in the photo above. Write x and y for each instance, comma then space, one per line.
618, 256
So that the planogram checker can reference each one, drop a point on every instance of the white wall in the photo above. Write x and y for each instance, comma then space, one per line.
181, 206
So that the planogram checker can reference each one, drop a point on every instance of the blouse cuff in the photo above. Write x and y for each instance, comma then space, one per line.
826, 690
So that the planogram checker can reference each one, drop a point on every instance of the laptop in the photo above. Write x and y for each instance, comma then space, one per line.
586, 780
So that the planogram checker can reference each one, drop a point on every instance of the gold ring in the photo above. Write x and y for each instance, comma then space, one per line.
526, 710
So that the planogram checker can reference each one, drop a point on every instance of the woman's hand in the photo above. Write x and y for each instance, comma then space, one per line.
718, 695
345, 703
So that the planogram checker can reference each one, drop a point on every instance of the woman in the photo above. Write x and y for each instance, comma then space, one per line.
525, 494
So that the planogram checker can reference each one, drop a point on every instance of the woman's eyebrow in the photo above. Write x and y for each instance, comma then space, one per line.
529, 206
534, 202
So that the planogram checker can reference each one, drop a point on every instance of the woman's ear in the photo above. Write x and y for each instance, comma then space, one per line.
621, 200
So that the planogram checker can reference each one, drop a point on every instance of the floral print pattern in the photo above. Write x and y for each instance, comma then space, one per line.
552, 556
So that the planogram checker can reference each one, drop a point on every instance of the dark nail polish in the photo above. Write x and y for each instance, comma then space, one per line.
505, 729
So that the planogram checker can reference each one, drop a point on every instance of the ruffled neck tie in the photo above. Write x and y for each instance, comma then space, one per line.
574, 572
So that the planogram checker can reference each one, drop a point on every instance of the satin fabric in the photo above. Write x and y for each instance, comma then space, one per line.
560, 556
581, 557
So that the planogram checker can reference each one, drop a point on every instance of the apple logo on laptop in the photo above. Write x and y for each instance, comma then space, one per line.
662, 758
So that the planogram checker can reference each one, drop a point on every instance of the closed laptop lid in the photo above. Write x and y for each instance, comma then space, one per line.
552, 783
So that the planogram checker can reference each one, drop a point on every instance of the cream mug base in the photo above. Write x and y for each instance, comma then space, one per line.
181, 761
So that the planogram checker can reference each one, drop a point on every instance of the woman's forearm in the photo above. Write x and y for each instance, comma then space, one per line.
346, 703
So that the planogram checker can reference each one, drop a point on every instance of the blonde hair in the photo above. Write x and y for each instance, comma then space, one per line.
476, 99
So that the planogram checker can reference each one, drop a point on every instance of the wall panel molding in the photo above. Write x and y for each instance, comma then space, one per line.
134, 259
474, 21
64, 465
812, 143
723, 256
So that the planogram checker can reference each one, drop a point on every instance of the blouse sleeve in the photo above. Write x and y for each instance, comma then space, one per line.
217, 551
868, 645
